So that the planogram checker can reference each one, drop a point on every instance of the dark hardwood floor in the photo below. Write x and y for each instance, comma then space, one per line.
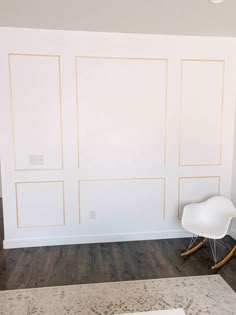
74, 264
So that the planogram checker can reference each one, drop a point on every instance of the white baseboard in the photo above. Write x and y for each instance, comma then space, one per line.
86, 239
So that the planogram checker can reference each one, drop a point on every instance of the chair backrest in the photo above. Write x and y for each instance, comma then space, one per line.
215, 209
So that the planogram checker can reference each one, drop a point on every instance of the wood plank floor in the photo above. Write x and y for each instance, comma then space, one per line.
74, 264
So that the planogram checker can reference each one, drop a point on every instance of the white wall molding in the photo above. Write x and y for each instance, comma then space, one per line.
99, 238
125, 124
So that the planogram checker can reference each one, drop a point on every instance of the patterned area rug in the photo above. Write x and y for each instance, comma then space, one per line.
196, 295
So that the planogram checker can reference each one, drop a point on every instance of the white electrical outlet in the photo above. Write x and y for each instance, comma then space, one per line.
92, 214
36, 159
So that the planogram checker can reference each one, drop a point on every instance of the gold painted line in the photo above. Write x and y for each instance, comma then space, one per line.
17, 210
32, 55
222, 111
204, 60
60, 105
164, 199
219, 185
165, 115
180, 112
64, 206
77, 109
79, 202
40, 181
120, 58
12, 111
38, 169
39, 226
200, 164
179, 198
186, 177
119, 179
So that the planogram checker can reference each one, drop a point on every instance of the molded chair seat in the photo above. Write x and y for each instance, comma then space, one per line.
210, 219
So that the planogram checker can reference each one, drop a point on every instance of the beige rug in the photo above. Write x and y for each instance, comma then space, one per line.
163, 312
196, 295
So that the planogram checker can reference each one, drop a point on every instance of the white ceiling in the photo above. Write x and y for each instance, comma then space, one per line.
177, 17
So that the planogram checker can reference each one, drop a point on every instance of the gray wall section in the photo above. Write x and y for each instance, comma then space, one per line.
182, 17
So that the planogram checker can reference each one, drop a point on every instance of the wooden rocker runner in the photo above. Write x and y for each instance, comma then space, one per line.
211, 220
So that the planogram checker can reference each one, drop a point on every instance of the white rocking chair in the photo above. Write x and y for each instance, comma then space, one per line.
211, 220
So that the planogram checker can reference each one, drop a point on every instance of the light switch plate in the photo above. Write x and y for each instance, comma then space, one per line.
92, 214
36, 159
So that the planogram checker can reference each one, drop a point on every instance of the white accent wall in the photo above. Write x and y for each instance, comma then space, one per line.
105, 137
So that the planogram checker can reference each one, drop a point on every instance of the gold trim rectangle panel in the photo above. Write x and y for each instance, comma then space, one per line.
181, 163
11, 87
123, 179
39, 182
77, 58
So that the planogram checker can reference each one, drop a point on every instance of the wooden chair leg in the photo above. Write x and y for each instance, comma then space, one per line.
223, 261
195, 248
